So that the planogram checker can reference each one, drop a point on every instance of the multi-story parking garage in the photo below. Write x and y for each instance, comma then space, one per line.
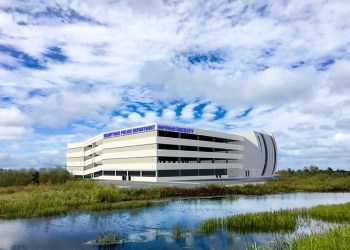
162, 153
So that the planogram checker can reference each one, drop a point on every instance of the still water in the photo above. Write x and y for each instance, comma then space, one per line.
150, 228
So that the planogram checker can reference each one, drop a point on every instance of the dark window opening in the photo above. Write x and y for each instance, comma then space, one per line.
220, 150
134, 173
168, 173
120, 173
189, 172
204, 149
205, 138
188, 136
148, 173
221, 171
168, 134
98, 173
206, 172
220, 140
168, 146
109, 173
189, 148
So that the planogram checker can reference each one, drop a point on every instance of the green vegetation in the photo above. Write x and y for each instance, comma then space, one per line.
282, 221
329, 213
26, 177
180, 232
54, 199
110, 238
333, 239
46, 192
276, 221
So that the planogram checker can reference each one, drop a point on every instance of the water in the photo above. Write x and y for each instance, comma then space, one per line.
150, 228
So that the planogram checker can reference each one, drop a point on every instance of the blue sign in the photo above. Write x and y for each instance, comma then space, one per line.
176, 129
129, 131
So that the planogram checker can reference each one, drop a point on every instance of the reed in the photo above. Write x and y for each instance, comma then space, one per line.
329, 213
110, 238
333, 239
49, 200
265, 222
180, 232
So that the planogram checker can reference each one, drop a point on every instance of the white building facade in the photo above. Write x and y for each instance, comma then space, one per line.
158, 152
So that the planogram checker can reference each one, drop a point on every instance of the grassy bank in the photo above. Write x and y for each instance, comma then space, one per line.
54, 199
48, 198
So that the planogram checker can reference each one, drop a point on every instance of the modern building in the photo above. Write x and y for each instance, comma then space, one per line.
158, 152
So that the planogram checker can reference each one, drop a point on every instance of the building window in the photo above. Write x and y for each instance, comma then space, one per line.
221, 171
168, 134
189, 172
98, 173
168, 146
109, 173
188, 136
120, 173
220, 140
168, 173
148, 173
206, 172
134, 173
204, 149
205, 138
189, 148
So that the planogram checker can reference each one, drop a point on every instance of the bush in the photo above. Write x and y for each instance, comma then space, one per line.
23, 177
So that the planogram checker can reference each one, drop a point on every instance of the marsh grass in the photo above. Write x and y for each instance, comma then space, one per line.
110, 238
329, 213
179, 232
49, 200
333, 239
265, 222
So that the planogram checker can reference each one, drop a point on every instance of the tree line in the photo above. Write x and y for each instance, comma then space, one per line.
23, 177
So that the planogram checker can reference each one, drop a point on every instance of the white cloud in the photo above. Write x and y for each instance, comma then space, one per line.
341, 137
14, 125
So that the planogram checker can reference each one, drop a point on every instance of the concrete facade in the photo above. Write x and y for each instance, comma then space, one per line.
158, 152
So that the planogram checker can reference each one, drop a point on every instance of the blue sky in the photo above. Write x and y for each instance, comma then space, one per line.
70, 70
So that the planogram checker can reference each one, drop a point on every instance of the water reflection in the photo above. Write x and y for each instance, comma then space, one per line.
74, 231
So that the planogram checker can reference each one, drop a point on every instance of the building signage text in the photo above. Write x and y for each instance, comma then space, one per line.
129, 131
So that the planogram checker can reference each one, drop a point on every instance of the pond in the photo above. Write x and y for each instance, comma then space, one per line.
150, 228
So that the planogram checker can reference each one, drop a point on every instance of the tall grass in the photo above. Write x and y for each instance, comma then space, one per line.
329, 213
48, 200
110, 238
334, 239
276, 221
281, 221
